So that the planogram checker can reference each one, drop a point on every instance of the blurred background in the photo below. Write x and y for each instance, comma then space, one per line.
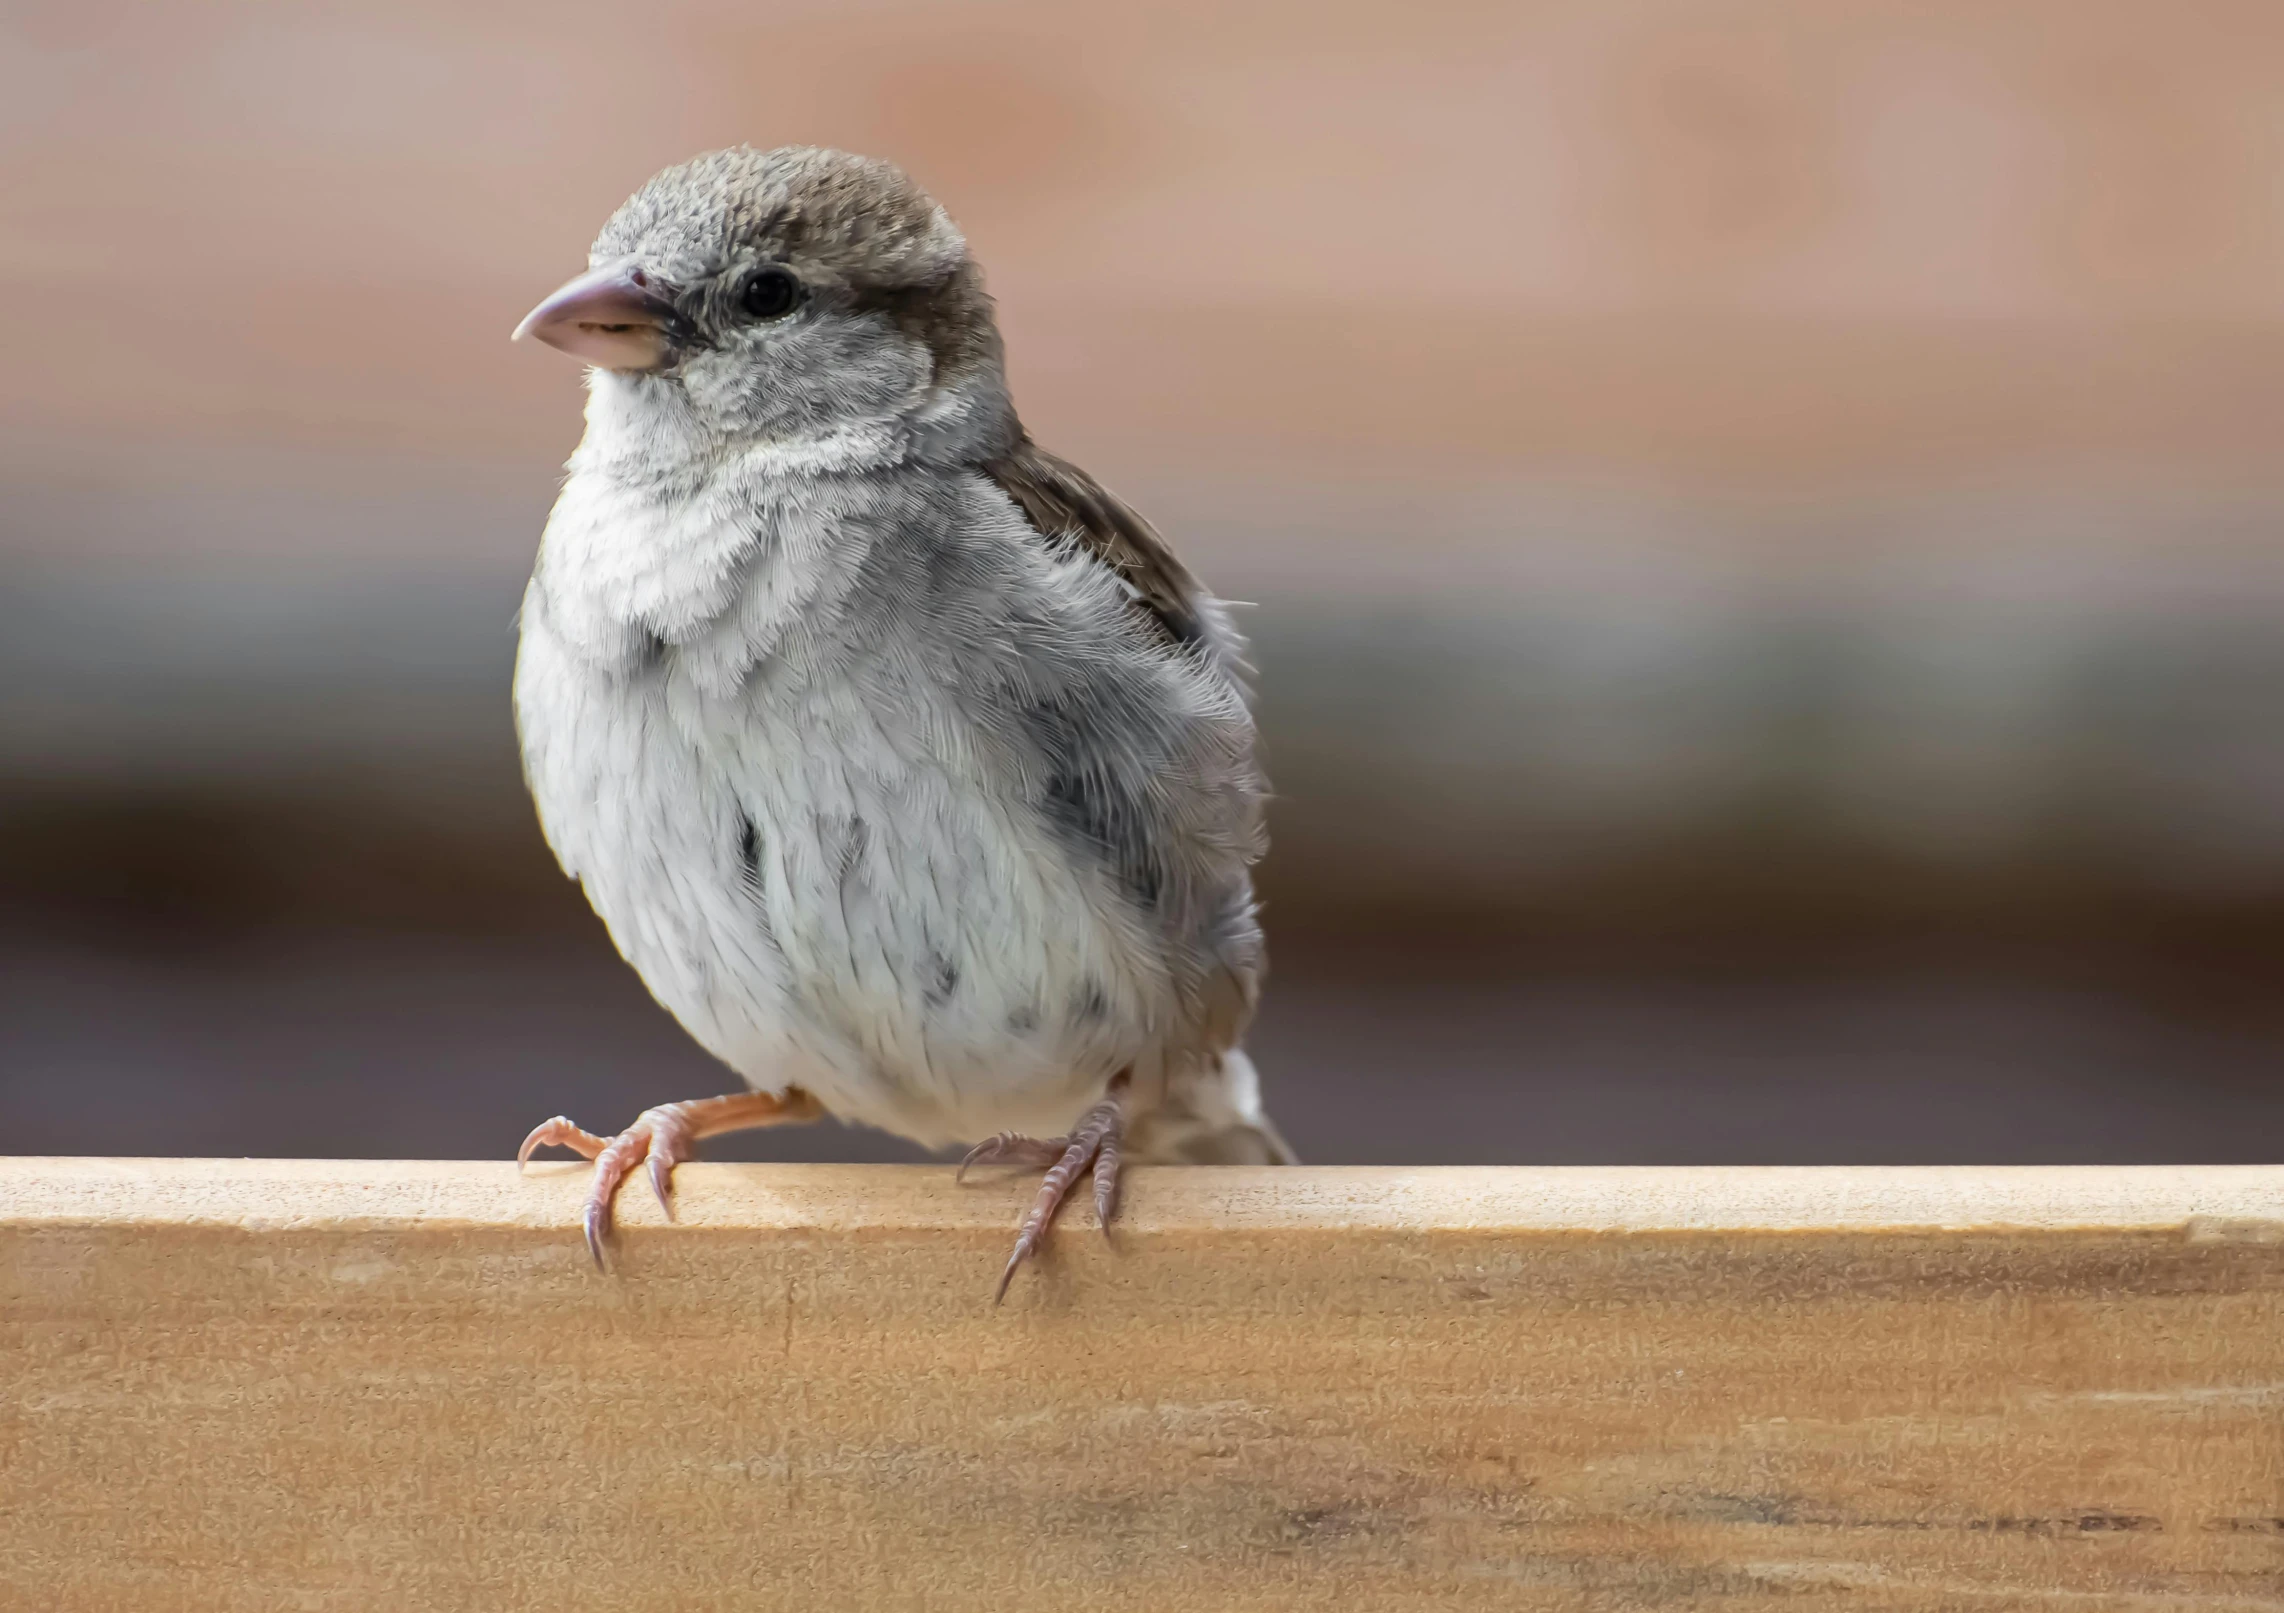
1765, 524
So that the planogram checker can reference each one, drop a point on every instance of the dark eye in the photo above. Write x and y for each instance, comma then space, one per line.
769, 293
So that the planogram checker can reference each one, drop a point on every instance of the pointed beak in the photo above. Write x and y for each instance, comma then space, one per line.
617, 317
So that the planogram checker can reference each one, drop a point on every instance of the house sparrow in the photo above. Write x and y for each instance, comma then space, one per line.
909, 767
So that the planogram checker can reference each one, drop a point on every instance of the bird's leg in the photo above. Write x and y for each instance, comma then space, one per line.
1094, 1140
664, 1137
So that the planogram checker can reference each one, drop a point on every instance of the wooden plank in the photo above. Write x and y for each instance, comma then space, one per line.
306, 1385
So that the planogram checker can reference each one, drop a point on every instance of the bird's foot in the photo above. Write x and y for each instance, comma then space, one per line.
1094, 1140
665, 1137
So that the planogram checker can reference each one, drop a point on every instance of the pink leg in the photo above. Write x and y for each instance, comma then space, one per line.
1094, 1140
664, 1136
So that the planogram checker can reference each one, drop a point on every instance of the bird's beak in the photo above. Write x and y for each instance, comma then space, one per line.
616, 318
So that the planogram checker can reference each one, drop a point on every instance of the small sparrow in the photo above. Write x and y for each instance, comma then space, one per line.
908, 766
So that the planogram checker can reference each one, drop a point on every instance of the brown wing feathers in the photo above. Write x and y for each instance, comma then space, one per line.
1063, 501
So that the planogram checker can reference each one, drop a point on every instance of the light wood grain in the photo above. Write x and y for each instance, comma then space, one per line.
317, 1385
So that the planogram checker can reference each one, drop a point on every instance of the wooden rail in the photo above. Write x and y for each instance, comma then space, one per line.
316, 1385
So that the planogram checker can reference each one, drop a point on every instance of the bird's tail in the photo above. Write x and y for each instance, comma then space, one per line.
1212, 1116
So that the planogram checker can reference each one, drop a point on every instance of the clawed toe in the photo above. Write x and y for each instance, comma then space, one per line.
559, 1133
613, 1157
1008, 1148
1093, 1141
664, 1137
639, 1141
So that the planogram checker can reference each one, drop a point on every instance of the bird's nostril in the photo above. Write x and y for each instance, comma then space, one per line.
638, 277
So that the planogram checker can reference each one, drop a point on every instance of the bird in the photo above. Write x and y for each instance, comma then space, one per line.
906, 764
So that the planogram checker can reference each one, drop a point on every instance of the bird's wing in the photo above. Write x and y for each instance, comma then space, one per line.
1064, 502
1066, 505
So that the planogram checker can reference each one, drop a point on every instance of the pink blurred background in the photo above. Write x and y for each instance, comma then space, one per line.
1766, 525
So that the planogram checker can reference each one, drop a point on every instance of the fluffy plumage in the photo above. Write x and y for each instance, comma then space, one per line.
905, 763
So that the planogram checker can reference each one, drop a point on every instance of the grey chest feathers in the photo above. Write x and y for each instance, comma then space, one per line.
890, 796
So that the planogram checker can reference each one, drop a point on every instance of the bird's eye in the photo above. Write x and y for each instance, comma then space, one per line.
769, 293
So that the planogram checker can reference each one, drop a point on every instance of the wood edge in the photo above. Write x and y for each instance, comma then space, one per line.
2220, 1203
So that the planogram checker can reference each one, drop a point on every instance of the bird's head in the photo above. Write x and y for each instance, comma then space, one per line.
783, 294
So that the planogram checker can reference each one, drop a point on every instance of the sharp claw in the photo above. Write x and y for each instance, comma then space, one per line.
982, 1153
1022, 1248
661, 1174
533, 1141
598, 1224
